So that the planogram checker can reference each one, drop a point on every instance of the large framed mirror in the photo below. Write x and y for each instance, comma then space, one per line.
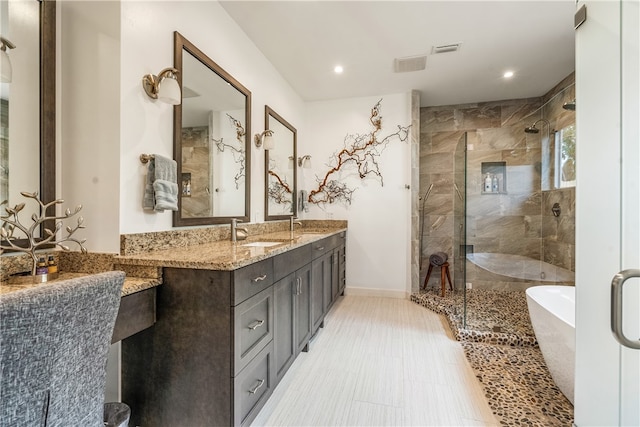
28, 106
211, 140
281, 166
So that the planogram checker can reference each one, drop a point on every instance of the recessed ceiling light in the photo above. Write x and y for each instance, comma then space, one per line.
508, 74
338, 69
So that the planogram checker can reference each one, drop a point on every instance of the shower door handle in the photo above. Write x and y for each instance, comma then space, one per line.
616, 307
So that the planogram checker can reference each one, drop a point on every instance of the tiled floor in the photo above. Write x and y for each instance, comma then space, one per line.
509, 364
385, 361
379, 361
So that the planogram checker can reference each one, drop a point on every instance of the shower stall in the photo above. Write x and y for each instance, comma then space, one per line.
512, 204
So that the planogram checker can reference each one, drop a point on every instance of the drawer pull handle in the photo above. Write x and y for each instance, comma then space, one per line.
255, 389
320, 248
256, 324
259, 278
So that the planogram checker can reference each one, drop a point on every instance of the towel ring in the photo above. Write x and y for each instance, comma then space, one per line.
144, 158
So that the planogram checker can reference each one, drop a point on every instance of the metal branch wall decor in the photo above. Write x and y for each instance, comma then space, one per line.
278, 189
361, 152
11, 222
237, 153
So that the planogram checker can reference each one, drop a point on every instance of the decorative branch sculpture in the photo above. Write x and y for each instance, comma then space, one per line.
237, 153
11, 222
359, 150
279, 189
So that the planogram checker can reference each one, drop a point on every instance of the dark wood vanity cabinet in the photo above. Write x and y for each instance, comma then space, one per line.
224, 339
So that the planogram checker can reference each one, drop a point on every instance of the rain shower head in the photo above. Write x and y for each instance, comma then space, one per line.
571, 105
534, 129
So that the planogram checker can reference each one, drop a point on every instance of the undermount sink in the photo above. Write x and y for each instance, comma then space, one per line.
262, 244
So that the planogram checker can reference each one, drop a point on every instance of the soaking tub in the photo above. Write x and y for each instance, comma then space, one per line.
552, 312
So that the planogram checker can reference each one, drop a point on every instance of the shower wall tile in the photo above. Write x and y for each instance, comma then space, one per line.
524, 179
518, 222
513, 226
438, 163
483, 116
445, 142
530, 247
439, 204
438, 226
436, 119
500, 139
513, 113
519, 157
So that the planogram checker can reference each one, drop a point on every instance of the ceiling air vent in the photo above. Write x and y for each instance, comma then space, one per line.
409, 63
452, 47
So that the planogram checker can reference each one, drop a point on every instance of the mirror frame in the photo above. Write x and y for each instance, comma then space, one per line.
48, 106
47, 119
270, 113
180, 44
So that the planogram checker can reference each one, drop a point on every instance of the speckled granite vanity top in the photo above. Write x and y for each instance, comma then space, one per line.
227, 255
131, 284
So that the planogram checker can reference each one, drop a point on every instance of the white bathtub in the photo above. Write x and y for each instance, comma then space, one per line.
552, 311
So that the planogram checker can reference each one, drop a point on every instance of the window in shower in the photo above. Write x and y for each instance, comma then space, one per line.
565, 156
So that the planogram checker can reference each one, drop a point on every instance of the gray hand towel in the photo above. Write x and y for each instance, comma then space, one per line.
148, 199
165, 186
161, 187
438, 258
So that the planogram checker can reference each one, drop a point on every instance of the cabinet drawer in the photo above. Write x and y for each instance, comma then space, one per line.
253, 387
137, 312
323, 246
252, 279
288, 262
253, 327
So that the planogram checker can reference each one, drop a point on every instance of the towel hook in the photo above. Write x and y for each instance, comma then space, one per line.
144, 158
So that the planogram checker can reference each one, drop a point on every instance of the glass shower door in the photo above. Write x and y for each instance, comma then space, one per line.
460, 228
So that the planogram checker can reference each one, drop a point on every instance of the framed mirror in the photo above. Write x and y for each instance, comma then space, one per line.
28, 97
212, 128
281, 166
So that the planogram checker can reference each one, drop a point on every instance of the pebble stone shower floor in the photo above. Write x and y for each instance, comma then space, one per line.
500, 345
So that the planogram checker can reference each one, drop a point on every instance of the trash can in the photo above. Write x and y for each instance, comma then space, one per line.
116, 414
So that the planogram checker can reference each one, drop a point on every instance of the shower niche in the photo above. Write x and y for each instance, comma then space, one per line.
494, 177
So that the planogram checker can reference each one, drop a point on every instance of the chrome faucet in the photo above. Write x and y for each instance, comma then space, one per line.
292, 222
238, 233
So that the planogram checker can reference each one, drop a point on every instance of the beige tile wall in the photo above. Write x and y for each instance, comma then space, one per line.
519, 222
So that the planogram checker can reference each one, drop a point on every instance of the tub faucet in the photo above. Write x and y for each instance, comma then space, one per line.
238, 233
292, 222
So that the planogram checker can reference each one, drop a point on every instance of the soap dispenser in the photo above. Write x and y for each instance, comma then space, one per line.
487, 183
494, 184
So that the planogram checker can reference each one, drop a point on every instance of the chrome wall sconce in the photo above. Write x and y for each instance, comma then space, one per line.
5, 62
304, 161
265, 138
163, 87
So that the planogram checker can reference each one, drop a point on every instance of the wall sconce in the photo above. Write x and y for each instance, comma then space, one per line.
265, 138
5, 62
304, 161
163, 87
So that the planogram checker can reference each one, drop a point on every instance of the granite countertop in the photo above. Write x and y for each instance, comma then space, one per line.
227, 255
131, 284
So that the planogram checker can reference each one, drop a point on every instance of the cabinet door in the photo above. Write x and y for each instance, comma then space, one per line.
335, 274
303, 308
319, 297
284, 350
342, 267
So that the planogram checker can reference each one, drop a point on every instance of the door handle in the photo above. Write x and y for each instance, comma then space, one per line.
616, 307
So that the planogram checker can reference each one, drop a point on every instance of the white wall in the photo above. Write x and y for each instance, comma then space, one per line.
146, 125
105, 131
379, 216
89, 160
